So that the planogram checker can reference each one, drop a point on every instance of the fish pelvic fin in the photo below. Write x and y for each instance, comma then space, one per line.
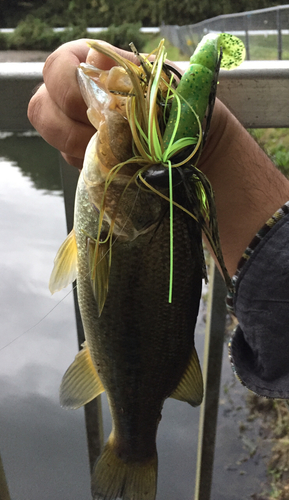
98, 264
81, 382
190, 388
65, 264
113, 478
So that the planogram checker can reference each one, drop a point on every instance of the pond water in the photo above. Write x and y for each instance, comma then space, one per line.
43, 447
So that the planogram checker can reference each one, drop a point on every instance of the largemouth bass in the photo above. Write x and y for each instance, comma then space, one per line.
139, 345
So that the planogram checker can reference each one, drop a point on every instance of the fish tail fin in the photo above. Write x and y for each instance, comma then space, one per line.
113, 478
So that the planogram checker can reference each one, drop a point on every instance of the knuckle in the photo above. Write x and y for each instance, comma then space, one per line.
75, 140
69, 142
67, 100
73, 161
34, 109
48, 63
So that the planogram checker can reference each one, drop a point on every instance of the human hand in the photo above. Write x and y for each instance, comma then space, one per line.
57, 110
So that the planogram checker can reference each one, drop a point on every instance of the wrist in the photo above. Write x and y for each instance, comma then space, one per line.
248, 187
216, 143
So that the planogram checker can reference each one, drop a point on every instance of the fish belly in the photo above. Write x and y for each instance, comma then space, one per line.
141, 344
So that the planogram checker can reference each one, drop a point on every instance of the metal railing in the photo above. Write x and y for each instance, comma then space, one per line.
150, 30
271, 22
259, 97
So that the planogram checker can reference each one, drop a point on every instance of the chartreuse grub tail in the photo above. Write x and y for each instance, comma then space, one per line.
196, 83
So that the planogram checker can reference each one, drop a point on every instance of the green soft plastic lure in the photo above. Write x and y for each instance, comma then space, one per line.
196, 83
195, 91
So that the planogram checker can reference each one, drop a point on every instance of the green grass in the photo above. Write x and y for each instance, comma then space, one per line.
266, 47
273, 418
173, 53
275, 142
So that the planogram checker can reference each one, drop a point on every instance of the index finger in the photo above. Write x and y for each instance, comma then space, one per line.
104, 62
61, 67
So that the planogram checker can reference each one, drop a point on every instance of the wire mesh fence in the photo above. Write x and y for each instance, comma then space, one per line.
265, 32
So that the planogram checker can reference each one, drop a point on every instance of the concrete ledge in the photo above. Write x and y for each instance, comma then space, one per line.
257, 93
257, 97
17, 83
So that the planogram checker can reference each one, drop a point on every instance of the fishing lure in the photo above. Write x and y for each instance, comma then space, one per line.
183, 138
195, 86
165, 121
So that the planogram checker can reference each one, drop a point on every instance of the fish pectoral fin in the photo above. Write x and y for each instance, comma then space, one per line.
81, 382
190, 388
65, 264
98, 264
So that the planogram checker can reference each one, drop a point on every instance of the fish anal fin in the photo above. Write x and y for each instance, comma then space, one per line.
65, 264
81, 382
113, 478
98, 264
190, 388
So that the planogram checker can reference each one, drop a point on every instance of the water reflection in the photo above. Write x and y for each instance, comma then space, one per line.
34, 157
43, 447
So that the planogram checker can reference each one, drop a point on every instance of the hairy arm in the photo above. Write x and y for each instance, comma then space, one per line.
248, 187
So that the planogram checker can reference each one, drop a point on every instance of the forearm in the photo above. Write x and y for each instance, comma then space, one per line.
248, 187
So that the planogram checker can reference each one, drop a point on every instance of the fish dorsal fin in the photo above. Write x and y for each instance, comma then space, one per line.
65, 264
190, 388
80, 383
98, 264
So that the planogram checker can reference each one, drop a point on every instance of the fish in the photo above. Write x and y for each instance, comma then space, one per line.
136, 252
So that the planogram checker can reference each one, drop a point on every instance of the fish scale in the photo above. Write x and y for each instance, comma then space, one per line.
139, 329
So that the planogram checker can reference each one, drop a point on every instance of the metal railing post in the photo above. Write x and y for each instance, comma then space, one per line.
92, 410
4, 492
214, 342
279, 34
247, 42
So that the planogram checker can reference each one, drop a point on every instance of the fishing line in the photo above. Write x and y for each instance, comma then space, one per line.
171, 233
73, 286
38, 322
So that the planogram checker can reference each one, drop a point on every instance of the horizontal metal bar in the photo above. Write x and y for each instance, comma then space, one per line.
153, 29
239, 14
251, 32
257, 93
